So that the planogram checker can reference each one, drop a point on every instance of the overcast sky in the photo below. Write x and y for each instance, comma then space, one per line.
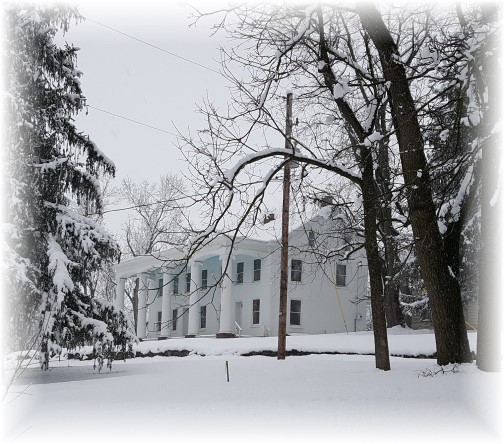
126, 77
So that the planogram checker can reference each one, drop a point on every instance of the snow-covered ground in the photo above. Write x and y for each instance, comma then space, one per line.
402, 342
315, 398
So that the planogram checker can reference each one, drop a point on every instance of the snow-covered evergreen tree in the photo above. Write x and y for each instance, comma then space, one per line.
52, 172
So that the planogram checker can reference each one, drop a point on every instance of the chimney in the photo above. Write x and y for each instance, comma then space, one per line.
268, 218
325, 201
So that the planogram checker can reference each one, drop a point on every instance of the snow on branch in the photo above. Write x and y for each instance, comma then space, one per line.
99, 328
452, 208
352, 63
415, 304
99, 154
88, 232
230, 174
373, 137
93, 180
21, 269
53, 165
58, 268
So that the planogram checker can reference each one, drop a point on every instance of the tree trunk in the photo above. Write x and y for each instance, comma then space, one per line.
369, 195
369, 201
390, 287
443, 289
393, 311
451, 244
391, 259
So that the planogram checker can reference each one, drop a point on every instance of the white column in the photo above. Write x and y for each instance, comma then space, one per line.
166, 303
194, 314
151, 313
226, 325
143, 293
119, 302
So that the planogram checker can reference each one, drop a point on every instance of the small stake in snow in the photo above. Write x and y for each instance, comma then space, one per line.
227, 371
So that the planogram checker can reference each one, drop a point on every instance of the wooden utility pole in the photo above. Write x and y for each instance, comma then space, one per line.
284, 258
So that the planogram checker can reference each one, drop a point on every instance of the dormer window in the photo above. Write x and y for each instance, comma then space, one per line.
311, 238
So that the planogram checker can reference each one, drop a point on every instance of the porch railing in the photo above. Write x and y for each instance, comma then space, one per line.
267, 331
238, 329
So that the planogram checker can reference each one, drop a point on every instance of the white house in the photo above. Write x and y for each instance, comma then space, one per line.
228, 291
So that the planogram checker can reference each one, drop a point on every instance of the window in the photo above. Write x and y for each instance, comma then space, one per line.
295, 312
188, 282
176, 285
257, 270
158, 323
239, 272
174, 319
296, 270
311, 238
256, 309
203, 316
204, 279
340, 275
160, 288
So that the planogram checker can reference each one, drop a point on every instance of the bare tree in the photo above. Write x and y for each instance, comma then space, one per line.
369, 94
452, 344
157, 222
353, 144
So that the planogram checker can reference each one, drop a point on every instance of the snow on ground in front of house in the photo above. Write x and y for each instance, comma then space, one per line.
308, 399
402, 341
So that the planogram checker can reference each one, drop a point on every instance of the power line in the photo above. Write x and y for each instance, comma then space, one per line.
132, 120
174, 199
113, 210
136, 121
154, 46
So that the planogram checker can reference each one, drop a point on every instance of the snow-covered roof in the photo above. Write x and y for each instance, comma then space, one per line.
261, 237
